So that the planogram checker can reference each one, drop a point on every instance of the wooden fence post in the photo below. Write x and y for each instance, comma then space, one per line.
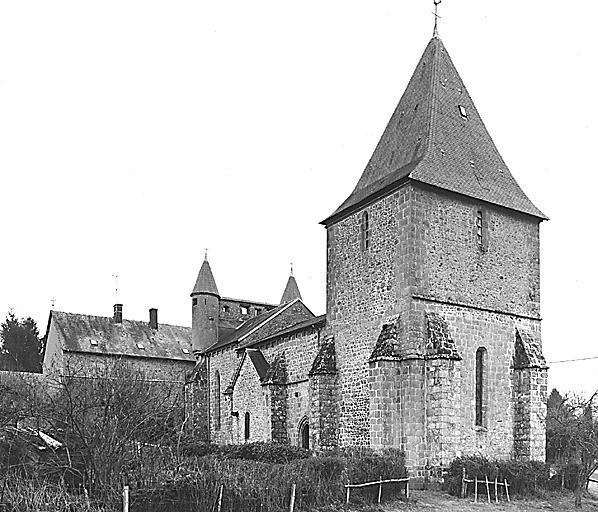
507, 489
496, 490
220, 497
126, 498
293, 490
380, 490
463, 484
348, 491
488, 488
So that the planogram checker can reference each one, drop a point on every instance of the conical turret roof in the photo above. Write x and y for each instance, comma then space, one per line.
436, 136
205, 280
291, 292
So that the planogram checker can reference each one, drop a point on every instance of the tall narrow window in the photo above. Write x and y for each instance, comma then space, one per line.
479, 227
247, 433
480, 384
365, 231
217, 420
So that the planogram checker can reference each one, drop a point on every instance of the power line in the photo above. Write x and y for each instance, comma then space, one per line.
572, 360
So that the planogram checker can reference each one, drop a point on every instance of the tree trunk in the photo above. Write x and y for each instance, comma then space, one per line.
578, 492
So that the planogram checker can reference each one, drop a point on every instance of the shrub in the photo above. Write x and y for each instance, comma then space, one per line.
525, 478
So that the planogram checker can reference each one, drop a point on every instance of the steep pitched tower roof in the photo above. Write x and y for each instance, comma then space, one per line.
291, 292
205, 284
436, 136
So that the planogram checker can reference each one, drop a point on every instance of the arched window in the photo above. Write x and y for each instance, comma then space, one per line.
480, 387
365, 231
304, 433
247, 433
217, 420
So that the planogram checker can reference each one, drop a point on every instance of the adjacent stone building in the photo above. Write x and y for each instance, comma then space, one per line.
431, 340
83, 345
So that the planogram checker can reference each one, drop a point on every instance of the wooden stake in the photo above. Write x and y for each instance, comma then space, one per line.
293, 489
463, 485
407, 489
220, 497
496, 489
488, 488
475, 499
507, 489
348, 491
380, 490
126, 498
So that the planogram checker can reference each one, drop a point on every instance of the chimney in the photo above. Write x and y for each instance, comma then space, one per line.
153, 321
118, 313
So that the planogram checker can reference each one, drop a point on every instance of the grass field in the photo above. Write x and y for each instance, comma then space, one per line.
438, 501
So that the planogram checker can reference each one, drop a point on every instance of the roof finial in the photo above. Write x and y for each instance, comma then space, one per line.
291, 269
436, 2
206, 255
53, 301
115, 288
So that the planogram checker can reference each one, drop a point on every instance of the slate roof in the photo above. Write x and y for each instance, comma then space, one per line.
291, 291
205, 282
325, 361
528, 350
250, 326
436, 136
440, 343
318, 320
259, 362
100, 335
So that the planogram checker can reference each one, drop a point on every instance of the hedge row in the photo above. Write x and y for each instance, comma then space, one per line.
524, 478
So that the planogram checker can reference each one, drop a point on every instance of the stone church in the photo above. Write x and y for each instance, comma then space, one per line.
431, 339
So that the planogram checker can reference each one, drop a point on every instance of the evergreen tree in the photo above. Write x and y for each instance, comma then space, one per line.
21, 347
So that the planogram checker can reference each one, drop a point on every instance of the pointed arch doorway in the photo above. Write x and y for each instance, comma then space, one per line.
304, 434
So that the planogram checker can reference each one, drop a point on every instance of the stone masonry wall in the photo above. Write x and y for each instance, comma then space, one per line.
300, 349
443, 399
151, 368
363, 289
250, 397
225, 362
324, 408
450, 264
495, 332
530, 395
424, 256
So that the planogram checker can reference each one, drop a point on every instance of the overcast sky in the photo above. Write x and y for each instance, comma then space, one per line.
135, 134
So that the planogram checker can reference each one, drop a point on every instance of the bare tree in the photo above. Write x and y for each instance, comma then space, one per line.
106, 417
572, 437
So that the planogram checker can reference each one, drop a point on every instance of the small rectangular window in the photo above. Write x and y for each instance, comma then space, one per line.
93, 342
244, 310
140, 346
462, 111
194, 301
185, 350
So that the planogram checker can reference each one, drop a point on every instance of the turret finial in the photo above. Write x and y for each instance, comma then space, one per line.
436, 2
205, 258
291, 269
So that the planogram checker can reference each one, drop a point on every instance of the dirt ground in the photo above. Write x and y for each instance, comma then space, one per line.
439, 501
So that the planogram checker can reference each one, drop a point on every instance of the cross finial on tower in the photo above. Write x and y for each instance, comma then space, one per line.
206, 254
53, 301
115, 288
436, 2
291, 269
